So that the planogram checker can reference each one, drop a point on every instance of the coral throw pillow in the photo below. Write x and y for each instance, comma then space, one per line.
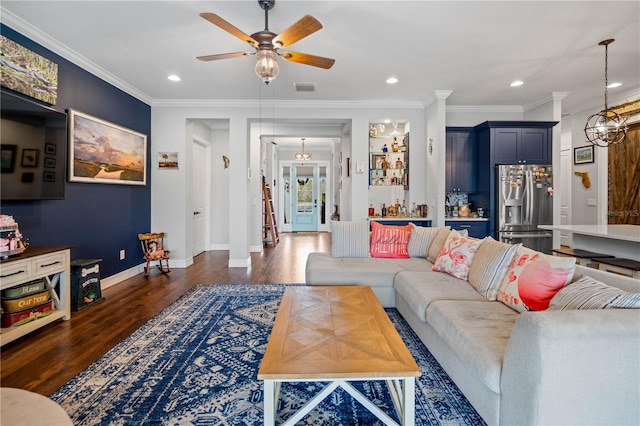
456, 255
533, 279
389, 240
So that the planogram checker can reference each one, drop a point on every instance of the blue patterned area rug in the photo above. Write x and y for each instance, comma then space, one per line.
196, 363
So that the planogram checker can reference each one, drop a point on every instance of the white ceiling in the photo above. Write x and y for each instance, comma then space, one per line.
474, 48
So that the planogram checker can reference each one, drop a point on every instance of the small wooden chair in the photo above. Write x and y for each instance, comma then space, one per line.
152, 245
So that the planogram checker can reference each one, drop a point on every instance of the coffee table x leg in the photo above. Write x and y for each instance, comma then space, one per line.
402, 392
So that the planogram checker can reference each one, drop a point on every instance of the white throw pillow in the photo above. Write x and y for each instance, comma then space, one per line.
350, 239
420, 239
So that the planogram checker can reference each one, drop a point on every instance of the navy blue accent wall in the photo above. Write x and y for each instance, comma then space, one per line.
99, 220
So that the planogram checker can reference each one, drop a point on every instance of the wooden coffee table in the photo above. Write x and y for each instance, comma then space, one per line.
336, 334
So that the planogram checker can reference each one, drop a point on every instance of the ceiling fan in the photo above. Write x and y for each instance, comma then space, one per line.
267, 43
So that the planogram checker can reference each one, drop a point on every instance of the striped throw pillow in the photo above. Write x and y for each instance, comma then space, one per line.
587, 293
490, 265
420, 240
350, 239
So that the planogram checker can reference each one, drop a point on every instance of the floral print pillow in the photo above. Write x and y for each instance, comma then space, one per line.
533, 279
456, 255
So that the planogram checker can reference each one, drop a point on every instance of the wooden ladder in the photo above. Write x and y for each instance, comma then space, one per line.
270, 223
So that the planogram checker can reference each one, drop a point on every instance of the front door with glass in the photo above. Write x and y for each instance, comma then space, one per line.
305, 197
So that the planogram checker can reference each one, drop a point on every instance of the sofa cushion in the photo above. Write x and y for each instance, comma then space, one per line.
323, 269
533, 279
490, 265
587, 293
420, 288
389, 240
350, 239
456, 255
478, 333
420, 239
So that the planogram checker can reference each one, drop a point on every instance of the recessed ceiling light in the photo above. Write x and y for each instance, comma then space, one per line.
174, 77
517, 83
392, 80
612, 85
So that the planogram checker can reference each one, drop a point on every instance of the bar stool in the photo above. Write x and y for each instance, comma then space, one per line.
582, 256
621, 266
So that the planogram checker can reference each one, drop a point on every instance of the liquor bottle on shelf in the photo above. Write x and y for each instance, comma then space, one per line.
384, 210
371, 210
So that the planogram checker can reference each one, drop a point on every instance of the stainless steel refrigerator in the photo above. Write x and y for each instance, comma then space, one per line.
525, 200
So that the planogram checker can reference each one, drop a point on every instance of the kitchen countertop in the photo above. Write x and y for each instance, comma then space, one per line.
477, 219
614, 232
405, 218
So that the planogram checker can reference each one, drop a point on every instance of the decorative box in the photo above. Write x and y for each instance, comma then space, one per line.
19, 318
24, 290
27, 302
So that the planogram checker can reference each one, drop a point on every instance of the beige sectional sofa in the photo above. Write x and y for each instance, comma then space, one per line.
569, 366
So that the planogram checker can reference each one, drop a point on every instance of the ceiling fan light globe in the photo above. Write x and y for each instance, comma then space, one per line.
267, 66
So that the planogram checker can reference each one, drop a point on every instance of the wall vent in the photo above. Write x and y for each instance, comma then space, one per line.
305, 87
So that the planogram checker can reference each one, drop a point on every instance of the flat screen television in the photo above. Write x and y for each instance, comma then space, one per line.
33, 139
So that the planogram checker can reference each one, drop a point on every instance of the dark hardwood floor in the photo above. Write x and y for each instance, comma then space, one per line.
49, 357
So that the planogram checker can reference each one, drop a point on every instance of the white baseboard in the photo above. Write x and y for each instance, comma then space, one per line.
121, 276
240, 263
139, 269
255, 249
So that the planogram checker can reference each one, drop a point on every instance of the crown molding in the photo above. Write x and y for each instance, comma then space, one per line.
28, 30
220, 103
485, 108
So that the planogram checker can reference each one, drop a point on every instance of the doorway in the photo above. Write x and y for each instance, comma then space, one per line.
304, 195
200, 188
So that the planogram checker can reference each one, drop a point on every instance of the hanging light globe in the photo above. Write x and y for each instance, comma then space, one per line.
606, 127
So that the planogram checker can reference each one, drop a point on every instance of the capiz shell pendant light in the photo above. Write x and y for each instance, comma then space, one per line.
606, 127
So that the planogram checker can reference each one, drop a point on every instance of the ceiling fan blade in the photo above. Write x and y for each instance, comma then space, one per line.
223, 56
216, 20
305, 26
306, 59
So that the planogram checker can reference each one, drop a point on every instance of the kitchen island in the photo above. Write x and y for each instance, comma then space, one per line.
617, 240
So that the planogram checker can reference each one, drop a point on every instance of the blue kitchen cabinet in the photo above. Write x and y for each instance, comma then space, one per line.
475, 228
461, 159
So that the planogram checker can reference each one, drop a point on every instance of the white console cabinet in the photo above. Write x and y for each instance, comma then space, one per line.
49, 262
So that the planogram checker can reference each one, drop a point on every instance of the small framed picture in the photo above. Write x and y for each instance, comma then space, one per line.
8, 158
50, 163
168, 160
49, 149
27, 177
49, 176
30, 157
583, 155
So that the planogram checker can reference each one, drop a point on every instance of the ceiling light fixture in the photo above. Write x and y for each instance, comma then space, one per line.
517, 83
267, 67
614, 85
303, 156
174, 77
392, 80
606, 127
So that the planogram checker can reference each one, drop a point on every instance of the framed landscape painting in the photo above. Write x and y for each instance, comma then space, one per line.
27, 72
583, 155
103, 152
